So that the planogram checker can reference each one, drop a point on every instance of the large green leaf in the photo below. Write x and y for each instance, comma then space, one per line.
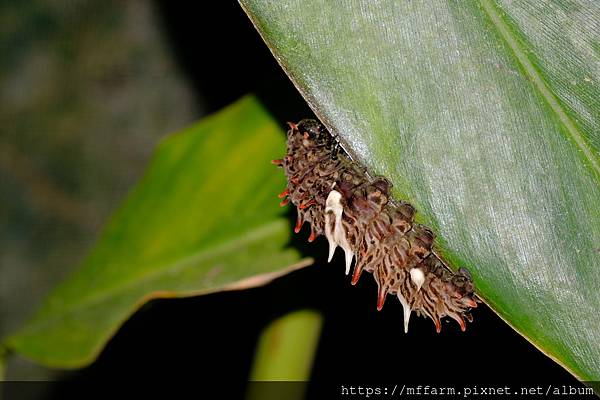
204, 218
485, 115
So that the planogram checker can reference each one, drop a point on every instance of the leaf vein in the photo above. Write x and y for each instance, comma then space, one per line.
540, 85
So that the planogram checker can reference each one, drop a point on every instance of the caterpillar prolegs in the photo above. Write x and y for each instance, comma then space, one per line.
338, 199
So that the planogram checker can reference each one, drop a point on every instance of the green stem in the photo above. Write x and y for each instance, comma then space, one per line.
285, 352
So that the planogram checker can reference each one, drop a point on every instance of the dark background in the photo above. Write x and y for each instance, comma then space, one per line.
210, 340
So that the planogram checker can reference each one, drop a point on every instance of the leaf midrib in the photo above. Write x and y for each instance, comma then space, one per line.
248, 237
540, 85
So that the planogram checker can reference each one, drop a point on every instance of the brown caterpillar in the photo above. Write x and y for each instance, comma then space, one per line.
338, 198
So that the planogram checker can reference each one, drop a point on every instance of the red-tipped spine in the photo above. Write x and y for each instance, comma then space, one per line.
381, 296
309, 203
299, 223
357, 272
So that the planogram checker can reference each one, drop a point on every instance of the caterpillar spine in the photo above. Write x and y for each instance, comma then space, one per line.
355, 212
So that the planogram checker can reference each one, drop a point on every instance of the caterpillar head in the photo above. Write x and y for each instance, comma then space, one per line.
313, 133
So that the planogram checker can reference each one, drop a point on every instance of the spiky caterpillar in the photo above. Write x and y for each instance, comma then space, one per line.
339, 199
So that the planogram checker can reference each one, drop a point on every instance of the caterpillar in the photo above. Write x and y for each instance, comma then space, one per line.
340, 200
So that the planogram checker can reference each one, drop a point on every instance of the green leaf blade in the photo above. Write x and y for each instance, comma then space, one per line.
562, 40
203, 219
444, 100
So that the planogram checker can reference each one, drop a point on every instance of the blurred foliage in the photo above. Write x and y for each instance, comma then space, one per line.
287, 347
204, 218
87, 88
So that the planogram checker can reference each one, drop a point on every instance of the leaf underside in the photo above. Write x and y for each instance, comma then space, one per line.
486, 116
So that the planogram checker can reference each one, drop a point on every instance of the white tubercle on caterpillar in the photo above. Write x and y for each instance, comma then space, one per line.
407, 311
334, 230
417, 276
